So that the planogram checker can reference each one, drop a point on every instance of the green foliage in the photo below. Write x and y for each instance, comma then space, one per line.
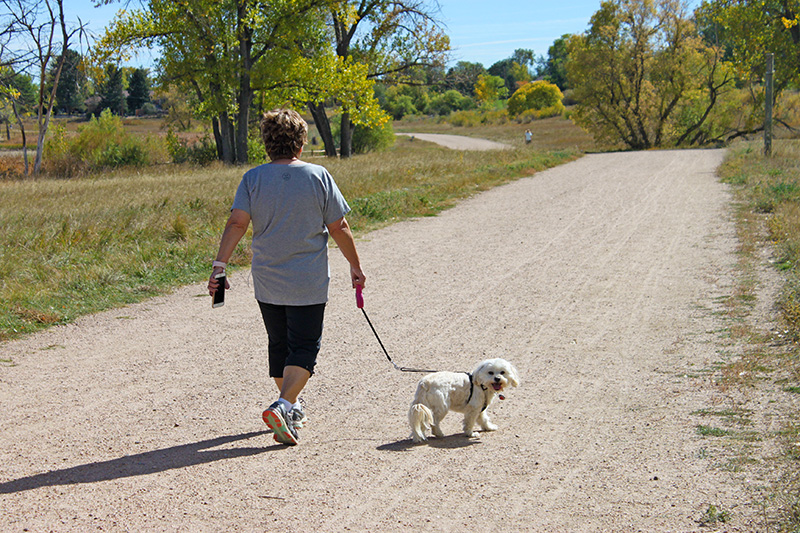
111, 95
536, 96
464, 76
372, 139
224, 53
449, 101
489, 89
554, 68
72, 84
643, 78
256, 151
514, 70
138, 90
477, 117
101, 144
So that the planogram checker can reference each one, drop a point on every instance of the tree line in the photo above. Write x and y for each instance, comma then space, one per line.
645, 73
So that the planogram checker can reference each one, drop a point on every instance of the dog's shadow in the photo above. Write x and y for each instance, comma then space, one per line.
451, 442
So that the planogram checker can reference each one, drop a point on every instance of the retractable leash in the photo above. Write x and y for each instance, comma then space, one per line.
360, 304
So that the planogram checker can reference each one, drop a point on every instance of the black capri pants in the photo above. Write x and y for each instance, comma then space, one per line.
295, 334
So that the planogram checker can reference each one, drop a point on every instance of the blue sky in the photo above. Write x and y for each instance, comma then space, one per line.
480, 31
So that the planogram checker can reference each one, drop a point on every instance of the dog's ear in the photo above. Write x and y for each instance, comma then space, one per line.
513, 375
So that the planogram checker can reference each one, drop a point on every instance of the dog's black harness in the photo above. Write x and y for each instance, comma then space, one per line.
472, 388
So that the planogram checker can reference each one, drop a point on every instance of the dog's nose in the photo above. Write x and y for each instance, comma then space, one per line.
497, 379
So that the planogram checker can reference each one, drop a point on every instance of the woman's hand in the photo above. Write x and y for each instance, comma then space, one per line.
213, 282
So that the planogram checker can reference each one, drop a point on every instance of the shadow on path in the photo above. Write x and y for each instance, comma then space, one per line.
140, 464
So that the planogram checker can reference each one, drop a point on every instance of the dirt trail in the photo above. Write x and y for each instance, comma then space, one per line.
458, 142
598, 279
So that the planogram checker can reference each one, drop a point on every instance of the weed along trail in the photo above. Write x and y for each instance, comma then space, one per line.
600, 280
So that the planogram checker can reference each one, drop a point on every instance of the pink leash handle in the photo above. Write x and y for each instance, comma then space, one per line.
359, 297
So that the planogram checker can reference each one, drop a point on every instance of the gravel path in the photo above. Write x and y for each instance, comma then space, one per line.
458, 142
597, 279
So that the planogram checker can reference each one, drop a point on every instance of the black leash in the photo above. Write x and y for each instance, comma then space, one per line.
360, 304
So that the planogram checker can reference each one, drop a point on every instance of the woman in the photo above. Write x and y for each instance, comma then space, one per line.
293, 207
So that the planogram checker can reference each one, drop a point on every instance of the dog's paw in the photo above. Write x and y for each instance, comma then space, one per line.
471, 434
490, 427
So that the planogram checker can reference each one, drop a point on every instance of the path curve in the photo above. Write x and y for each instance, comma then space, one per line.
597, 279
458, 142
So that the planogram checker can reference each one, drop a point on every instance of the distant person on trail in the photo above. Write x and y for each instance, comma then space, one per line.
528, 136
293, 206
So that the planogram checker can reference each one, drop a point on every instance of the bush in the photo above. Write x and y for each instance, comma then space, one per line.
256, 151
473, 118
537, 96
535, 114
12, 167
372, 139
201, 152
101, 144
449, 101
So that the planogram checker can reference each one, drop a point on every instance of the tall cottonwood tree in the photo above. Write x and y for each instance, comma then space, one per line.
391, 37
227, 51
644, 78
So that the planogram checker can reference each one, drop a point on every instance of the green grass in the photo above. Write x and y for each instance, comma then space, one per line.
767, 193
78, 246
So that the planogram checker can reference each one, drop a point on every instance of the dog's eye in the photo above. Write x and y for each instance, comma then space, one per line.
491, 373
502, 372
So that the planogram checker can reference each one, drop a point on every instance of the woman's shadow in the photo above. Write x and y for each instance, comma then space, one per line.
140, 464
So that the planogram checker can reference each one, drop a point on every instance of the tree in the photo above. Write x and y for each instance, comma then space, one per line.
643, 77
17, 99
34, 34
536, 96
747, 31
391, 37
71, 90
514, 70
554, 68
489, 89
226, 52
138, 90
449, 101
463, 77
111, 92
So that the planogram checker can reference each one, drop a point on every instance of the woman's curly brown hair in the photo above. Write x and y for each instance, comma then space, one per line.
284, 133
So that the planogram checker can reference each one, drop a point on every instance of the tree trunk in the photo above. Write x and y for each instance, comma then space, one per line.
323, 127
217, 136
24, 137
346, 137
227, 135
245, 96
243, 119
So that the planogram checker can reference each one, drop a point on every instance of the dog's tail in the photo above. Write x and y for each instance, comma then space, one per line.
420, 417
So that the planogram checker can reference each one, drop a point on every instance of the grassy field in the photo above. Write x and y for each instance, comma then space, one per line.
767, 212
78, 246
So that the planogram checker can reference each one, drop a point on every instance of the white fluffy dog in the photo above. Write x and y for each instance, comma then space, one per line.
471, 394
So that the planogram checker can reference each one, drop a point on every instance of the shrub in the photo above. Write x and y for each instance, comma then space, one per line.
536, 96
101, 144
256, 151
200, 152
372, 139
12, 167
477, 117
449, 101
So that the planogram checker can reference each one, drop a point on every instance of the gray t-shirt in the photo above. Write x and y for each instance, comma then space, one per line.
289, 206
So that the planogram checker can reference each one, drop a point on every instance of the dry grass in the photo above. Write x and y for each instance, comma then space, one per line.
77, 246
768, 192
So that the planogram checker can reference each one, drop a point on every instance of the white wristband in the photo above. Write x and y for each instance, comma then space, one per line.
216, 264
